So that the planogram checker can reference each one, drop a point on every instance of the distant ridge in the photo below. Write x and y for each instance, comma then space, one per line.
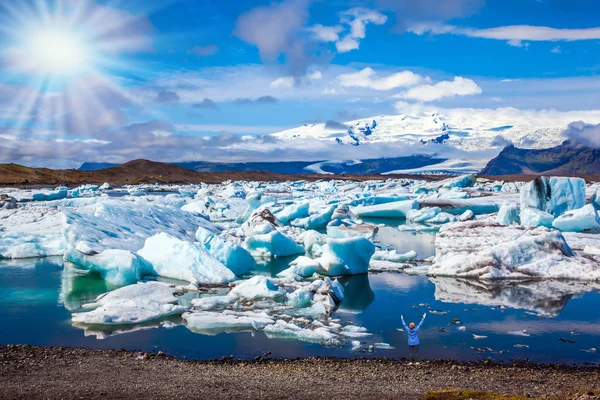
567, 159
358, 167
150, 172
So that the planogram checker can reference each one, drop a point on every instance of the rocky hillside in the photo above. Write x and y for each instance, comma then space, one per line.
567, 159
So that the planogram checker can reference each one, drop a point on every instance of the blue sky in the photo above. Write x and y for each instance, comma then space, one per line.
195, 79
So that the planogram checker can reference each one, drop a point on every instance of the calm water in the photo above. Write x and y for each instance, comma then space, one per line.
35, 297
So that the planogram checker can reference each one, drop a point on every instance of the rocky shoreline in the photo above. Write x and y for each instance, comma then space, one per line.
51, 373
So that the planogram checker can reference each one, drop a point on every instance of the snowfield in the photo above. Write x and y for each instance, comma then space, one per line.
193, 253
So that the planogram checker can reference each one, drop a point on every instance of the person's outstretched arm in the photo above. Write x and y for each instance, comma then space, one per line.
404, 323
422, 320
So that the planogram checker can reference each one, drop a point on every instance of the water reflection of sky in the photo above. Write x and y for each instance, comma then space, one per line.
35, 297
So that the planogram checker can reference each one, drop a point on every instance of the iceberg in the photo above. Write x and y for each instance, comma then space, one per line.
213, 323
508, 214
40, 195
554, 195
134, 304
397, 209
579, 220
532, 218
293, 211
487, 250
258, 287
19, 245
174, 258
117, 267
236, 258
272, 244
422, 215
348, 256
394, 256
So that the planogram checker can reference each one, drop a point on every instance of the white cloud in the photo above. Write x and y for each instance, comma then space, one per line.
347, 44
288, 82
556, 50
285, 82
357, 19
513, 34
322, 33
458, 87
367, 78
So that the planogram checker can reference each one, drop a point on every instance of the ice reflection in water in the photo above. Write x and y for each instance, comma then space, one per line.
36, 296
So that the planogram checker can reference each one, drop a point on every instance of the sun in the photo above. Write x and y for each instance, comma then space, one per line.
57, 52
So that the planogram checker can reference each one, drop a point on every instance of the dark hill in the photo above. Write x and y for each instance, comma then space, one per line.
567, 159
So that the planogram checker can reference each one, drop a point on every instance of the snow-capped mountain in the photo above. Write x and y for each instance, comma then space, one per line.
466, 129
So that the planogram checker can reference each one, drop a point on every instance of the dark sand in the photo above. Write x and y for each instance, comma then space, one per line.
52, 373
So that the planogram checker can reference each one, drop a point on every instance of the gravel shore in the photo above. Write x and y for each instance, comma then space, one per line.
53, 373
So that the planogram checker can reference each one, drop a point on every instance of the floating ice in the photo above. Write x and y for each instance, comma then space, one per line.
508, 214
487, 250
272, 244
258, 287
532, 218
174, 258
132, 304
349, 256
579, 220
236, 258
212, 323
554, 195
397, 209
394, 256
40, 195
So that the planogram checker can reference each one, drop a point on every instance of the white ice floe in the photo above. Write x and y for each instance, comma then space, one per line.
579, 220
272, 244
532, 217
487, 250
212, 323
174, 258
39, 195
394, 256
134, 304
396, 209
258, 287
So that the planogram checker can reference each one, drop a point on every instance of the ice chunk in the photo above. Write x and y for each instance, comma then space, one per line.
532, 217
554, 195
293, 211
208, 303
318, 220
272, 244
39, 195
423, 214
394, 256
173, 258
300, 298
487, 250
258, 287
397, 209
462, 181
132, 304
508, 214
20, 245
105, 186
284, 329
236, 258
304, 267
348, 256
118, 267
582, 219
212, 323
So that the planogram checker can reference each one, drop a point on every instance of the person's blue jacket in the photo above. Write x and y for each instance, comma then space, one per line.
413, 334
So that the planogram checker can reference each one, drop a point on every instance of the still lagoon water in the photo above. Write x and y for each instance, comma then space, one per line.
561, 319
